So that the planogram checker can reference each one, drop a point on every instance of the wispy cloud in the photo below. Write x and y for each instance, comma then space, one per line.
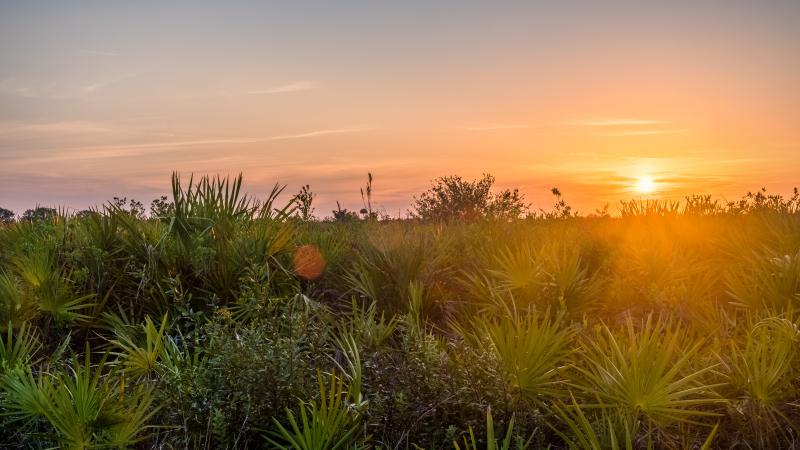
14, 87
94, 87
621, 127
11, 86
137, 149
644, 132
355, 129
583, 154
612, 122
599, 123
499, 126
91, 88
303, 85
107, 53
54, 91
61, 127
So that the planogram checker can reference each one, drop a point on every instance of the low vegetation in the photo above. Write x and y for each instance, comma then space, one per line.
218, 320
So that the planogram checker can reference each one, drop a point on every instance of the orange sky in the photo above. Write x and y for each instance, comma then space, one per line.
98, 100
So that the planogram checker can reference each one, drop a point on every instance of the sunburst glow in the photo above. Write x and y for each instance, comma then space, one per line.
645, 185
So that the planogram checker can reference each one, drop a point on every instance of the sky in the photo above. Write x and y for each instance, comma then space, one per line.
604, 100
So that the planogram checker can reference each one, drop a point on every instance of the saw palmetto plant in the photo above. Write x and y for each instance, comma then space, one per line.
84, 406
331, 422
762, 366
648, 374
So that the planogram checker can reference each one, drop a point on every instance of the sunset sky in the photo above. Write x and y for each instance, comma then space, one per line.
102, 99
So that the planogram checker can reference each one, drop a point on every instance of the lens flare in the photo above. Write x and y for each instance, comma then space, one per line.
308, 262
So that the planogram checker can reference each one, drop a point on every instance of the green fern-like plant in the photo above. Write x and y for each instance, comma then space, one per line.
16, 306
85, 409
328, 424
140, 360
531, 350
763, 365
646, 376
50, 287
585, 432
18, 350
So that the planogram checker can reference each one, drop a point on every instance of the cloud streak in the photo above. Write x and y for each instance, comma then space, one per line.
612, 122
303, 85
110, 54
500, 126
11, 86
54, 91
124, 150
598, 123
61, 127
644, 132
355, 129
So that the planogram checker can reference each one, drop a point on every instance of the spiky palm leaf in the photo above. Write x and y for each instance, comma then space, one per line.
646, 375
329, 424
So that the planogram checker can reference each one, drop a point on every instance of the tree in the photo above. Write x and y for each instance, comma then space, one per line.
6, 216
86, 213
38, 214
453, 199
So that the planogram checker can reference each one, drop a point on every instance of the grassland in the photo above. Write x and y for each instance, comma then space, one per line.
225, 322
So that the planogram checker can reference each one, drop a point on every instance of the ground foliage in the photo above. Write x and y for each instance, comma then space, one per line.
198, 326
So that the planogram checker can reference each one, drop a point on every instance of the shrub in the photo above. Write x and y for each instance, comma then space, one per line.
453, 199
243, 373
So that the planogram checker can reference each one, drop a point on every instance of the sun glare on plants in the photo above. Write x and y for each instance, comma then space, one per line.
645, 185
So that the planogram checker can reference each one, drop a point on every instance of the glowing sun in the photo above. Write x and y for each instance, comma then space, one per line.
645, 185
